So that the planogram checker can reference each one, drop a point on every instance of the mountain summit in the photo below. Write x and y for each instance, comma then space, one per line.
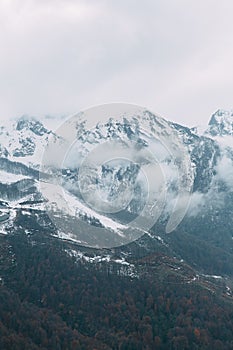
221, 123
189, 178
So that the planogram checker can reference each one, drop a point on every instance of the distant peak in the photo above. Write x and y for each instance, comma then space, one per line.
221, 123
221, 116
31, 123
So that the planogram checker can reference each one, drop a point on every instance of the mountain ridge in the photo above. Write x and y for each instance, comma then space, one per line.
205, 154
156, 290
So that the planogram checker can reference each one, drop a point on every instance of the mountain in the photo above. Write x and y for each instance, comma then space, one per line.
136, 198
221, 123
116, 160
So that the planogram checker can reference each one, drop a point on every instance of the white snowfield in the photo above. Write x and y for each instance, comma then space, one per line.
60, 199
9, 178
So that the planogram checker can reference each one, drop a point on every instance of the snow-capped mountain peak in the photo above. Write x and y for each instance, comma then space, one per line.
221, 123
32, 124
24, 140
187, 159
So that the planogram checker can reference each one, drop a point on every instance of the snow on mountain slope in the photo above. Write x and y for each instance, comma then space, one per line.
221, 123
220, 127
186, 160
8, 178
24, 140
70, 205
146, 140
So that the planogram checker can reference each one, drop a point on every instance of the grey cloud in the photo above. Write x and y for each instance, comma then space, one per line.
58, 57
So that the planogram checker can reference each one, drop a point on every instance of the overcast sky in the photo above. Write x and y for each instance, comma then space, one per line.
174, 57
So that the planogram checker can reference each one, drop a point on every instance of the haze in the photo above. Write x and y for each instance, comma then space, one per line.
173, 57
